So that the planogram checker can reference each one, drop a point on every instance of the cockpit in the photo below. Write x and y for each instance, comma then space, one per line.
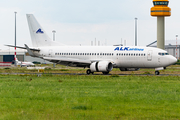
161, 3
162, 54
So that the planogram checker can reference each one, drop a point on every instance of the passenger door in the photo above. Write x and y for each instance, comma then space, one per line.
149, 55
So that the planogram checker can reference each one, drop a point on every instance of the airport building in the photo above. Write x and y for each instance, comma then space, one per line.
173, 50
22, 55
160, 10
171, 47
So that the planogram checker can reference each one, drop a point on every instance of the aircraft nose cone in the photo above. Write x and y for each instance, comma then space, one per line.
172, 60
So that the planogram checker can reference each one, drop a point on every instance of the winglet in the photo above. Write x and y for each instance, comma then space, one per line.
29, 51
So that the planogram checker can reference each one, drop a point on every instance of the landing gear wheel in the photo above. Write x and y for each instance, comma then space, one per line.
105, 73
88, 72
157, 72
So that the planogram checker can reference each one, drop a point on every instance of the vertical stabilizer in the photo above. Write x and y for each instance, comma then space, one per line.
38, 35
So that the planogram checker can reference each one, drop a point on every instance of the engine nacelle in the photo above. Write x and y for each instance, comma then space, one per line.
129, 69
101, 66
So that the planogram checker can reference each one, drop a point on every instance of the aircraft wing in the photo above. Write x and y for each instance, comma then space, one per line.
69, 61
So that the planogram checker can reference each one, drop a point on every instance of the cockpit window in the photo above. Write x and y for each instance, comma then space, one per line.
162, 54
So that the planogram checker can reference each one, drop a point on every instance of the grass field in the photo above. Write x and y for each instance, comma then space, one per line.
174, 69
98, 97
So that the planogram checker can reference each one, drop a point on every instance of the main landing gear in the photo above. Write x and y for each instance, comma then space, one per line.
88, 72
157, 72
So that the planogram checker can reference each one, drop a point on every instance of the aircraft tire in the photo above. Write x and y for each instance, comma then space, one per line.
88, 72
157, 72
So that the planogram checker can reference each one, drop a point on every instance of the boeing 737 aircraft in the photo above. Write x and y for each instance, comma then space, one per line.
96, 58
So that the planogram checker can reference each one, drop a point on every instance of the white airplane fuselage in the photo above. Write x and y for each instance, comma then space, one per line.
120, 56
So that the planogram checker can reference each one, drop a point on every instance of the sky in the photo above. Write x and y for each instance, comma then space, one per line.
78, 22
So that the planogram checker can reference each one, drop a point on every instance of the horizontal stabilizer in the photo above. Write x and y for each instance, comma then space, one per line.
22, 47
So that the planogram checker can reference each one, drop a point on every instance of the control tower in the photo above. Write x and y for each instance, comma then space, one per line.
160, 10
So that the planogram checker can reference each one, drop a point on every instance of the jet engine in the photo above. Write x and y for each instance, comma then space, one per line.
101, 66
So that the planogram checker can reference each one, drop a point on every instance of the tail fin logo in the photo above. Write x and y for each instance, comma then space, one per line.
39, 31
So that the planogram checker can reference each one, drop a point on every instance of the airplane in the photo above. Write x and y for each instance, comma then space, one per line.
95, 58
23, 64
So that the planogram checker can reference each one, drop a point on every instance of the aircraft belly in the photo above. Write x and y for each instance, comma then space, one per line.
131, 63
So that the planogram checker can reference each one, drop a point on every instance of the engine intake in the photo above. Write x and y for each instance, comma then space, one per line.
101, 66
